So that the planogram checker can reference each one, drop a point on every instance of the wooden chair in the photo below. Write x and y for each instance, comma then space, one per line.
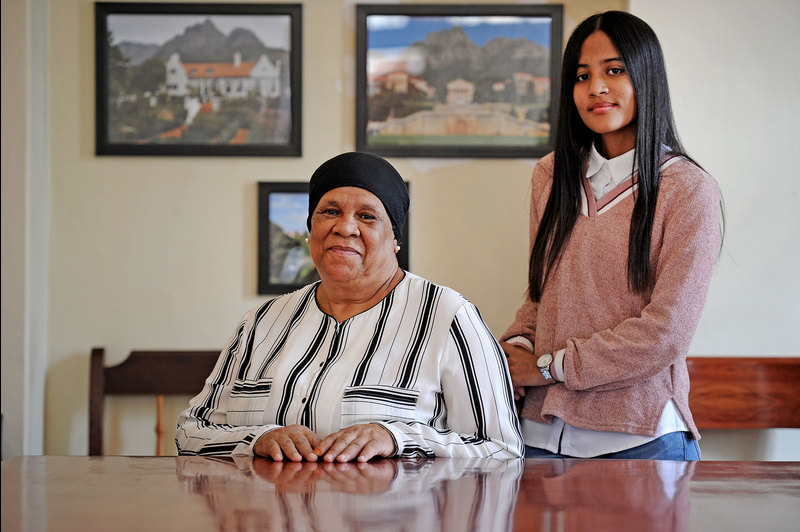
744, 392
144, 373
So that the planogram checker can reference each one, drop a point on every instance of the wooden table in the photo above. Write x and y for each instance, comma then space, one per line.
43, 493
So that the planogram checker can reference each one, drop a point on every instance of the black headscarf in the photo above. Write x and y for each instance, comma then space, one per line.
362, 170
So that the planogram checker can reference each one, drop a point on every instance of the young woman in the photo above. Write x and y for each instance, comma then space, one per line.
625, 231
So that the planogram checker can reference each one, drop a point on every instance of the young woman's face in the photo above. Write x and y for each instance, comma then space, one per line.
604, 95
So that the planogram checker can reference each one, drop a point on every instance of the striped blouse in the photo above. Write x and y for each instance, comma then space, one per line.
422, 363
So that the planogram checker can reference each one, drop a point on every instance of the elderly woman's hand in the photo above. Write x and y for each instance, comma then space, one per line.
294, 442
356, 441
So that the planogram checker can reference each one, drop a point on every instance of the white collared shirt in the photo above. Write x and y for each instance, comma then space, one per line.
605, 174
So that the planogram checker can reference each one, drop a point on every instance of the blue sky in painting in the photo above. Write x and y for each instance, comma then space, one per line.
393, 31
289, 210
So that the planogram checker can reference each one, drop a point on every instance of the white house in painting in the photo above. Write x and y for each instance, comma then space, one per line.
460, 92
236, 79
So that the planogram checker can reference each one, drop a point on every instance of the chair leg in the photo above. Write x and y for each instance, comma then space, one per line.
159, 425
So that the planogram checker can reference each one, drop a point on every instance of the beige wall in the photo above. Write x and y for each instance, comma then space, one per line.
160, 252
737, 111
14, 130
26, 224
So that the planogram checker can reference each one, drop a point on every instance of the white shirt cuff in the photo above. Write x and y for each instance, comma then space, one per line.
558, 364
522, 342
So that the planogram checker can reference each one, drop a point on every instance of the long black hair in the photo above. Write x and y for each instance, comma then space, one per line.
656, 137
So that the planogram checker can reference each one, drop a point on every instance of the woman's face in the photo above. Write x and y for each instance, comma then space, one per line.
604, 95
351, 238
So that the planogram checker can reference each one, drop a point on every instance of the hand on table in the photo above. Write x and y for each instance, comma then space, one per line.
294, 443
360, 442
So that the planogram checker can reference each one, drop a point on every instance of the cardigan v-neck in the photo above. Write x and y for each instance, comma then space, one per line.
607, 180
600, 173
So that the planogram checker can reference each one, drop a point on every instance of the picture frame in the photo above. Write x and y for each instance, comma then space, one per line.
284, 262
216, 79
457, 80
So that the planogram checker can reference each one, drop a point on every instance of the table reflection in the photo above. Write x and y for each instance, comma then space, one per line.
604, 495
443, 494
87, 494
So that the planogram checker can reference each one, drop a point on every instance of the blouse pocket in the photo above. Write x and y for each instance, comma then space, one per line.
367, 404
248, 401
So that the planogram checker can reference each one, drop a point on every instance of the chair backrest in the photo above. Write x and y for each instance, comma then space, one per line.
744, 392
144, 373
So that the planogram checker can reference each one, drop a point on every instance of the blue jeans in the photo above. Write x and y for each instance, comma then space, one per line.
673, 446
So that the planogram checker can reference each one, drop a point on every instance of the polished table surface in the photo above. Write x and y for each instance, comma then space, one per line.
42, 493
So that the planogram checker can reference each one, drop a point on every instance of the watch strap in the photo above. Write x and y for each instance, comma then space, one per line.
547, 375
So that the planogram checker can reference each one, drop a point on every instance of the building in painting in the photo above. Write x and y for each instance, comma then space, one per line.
237, 79
460, 92
398, 82
525, 83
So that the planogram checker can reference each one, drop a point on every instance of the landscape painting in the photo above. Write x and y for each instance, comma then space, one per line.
284, 258
283, 255
457, 80
198, 79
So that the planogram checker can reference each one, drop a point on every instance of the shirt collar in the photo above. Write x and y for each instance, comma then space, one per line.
619, 167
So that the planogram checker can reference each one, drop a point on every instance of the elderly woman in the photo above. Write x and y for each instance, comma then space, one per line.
371, 361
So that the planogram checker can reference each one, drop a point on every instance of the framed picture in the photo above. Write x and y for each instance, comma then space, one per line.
198, 79
457, 80
284, 260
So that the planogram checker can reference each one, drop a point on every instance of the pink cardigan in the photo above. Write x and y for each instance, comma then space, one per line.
625, 352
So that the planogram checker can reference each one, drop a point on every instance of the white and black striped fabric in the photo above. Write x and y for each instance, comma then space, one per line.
422, 363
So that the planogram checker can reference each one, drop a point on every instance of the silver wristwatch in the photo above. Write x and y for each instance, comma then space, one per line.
543, 364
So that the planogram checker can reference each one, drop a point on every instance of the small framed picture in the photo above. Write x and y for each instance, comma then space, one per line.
198, 79
284, 259
457, 80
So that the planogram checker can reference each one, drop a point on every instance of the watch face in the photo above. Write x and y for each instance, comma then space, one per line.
544, 360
